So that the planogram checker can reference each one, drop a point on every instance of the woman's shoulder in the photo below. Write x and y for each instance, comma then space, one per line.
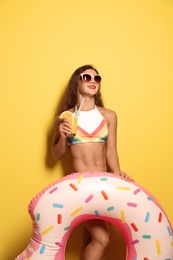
107, 113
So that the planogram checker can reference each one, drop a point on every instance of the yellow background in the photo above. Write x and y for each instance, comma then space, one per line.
42, 43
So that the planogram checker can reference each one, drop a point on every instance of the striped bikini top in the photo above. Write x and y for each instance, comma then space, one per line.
92, 127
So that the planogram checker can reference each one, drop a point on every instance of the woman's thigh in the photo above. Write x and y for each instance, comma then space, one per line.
98, 230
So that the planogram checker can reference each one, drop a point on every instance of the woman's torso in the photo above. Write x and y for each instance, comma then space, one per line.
88, 148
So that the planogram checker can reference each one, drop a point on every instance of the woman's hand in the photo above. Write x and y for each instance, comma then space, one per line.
64, 128
124, 176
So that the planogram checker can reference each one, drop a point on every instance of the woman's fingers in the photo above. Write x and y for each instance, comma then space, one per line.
124, 176
65, 128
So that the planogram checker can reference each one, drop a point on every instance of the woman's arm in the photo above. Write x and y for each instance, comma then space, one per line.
112, 154
59, 145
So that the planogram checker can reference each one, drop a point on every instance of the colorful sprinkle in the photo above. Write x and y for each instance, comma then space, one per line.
73, 186
103, 179
146, 236
149, 198
131, 204
134, 227
66, 228
158, 247
42, 249
89, 198
80, 178
38, 216
171, 243
160, 217
122, 188
57, 205
122, 214
147, 217
96, 212
59, 219
136, 191
110, 208
146, 258
47, 230
53, 190
135, 242
105, 196
169, 231
58, 244
76, 211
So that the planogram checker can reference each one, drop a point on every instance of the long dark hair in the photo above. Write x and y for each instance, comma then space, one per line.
70, 95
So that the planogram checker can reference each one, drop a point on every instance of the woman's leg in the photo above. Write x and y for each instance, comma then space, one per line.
98, 240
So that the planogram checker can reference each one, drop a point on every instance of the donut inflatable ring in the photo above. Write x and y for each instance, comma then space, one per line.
78, 197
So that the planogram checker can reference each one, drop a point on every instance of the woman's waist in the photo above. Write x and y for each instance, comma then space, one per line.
89, 157
89, 164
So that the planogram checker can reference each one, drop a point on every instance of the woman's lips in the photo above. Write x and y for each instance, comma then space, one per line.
91, 86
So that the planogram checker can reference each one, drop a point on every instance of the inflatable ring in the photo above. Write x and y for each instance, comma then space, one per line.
78, 197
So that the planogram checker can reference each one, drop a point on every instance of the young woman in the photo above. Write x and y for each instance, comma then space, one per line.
93, 148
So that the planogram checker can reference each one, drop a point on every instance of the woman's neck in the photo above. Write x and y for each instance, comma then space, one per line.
88, 104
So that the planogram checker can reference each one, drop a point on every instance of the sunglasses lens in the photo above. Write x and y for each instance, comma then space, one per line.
86, 77
97, 79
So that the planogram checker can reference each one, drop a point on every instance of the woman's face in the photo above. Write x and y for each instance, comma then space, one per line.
88, 84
